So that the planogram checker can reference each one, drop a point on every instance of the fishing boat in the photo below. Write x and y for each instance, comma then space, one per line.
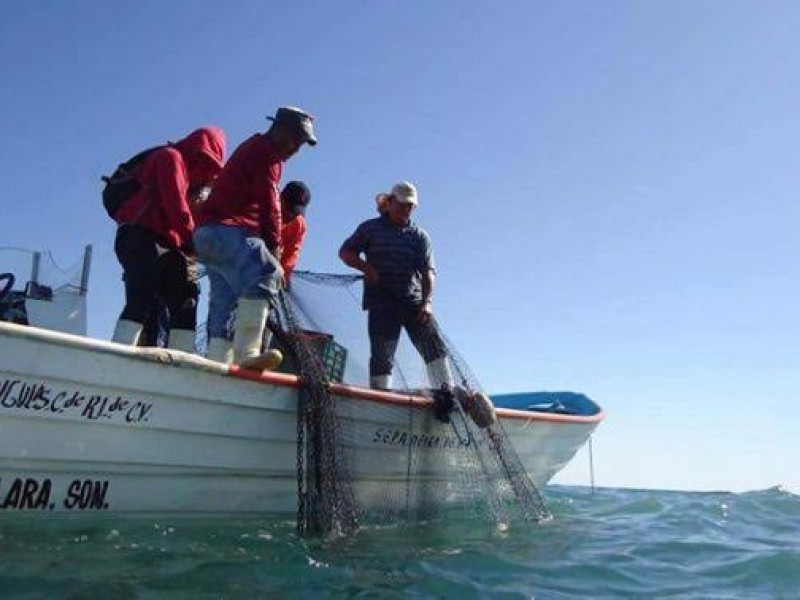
92, 426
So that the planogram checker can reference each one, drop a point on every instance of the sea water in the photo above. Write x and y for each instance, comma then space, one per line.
608, 544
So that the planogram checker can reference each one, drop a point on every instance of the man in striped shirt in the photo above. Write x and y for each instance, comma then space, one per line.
399, 274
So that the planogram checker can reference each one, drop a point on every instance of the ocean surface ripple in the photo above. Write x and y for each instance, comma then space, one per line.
613, 543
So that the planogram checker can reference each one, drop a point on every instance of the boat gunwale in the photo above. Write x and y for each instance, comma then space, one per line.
397, 398
183, 359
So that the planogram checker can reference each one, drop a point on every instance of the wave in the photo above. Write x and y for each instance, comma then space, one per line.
791, 489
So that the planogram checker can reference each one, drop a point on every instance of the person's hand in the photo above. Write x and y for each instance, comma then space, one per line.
371, 274
425, 313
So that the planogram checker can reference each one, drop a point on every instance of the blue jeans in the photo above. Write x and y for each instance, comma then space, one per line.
239, 266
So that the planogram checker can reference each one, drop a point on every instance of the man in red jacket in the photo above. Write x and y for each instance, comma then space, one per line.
155, 235
238, 238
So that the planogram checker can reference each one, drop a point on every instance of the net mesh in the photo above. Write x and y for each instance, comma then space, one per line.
36, 290
41, 268
361, 462
326, 501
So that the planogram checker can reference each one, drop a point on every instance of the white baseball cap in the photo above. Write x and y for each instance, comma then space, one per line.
405, 193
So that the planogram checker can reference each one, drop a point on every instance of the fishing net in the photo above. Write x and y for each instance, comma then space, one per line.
392, 455
326, 502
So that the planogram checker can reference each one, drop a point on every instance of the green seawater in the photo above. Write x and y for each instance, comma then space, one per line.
610, 544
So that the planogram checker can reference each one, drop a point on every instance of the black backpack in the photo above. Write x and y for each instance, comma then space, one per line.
123, 184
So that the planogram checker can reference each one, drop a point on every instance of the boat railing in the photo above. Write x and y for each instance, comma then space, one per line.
47, 296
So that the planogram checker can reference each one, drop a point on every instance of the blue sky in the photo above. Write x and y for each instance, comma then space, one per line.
612, 188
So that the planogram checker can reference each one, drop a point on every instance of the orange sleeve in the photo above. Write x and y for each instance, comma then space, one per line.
292, 235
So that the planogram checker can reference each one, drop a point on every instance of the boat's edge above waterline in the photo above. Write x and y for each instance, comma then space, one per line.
92, 425
178, 358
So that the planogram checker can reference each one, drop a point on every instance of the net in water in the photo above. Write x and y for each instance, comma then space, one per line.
425, 448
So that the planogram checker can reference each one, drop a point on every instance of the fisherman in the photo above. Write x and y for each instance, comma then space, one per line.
239, 239
295, 198
399, 276
154, 237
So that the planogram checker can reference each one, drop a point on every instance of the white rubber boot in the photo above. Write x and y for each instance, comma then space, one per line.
439, 374
182, 339
220, 350
251, 318
127, 332
380, 382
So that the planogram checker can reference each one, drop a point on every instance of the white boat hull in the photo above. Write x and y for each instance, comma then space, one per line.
90, 426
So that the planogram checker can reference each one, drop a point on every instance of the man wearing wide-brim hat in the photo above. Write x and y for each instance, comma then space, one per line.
238, 238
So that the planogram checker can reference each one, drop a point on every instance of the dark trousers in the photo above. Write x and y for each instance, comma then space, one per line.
153, 273
385, 322
156, 327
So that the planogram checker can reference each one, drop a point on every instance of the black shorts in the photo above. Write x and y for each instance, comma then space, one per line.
153, 274
386, 321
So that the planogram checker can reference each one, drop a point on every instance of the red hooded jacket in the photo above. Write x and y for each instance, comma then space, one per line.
246, 192
162, 205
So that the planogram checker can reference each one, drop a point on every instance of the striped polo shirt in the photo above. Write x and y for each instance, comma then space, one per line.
400, 255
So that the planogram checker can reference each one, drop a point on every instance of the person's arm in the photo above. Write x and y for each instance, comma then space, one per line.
352, 259
428, 283
428, 279
351, 251
270, 218
293, 235
172, 185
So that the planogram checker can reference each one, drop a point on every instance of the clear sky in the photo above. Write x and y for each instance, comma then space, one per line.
611, 187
